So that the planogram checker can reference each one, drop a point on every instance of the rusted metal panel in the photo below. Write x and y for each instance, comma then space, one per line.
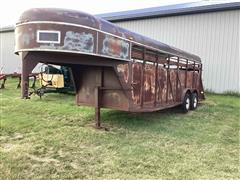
111, 67
173, 81
189, 79
123, 71
113, 46
87, 85
77, 19
149, 84
162, 82
75, 39
112, 95
136, 83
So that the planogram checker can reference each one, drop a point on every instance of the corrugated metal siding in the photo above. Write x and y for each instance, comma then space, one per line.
212, 36
9, 62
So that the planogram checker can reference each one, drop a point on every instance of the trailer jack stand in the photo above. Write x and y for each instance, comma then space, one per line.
98, 118
97, 108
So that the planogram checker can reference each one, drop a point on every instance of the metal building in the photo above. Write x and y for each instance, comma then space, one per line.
207, 29
9, 62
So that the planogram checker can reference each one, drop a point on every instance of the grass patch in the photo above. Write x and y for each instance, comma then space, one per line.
53, 138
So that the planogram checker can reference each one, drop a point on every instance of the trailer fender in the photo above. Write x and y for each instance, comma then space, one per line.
195, 91
184, 92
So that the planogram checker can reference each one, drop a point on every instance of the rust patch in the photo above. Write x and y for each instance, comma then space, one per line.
172, 85
149, 83
162, 82
189, 79
115, 47
136, 82
123, 69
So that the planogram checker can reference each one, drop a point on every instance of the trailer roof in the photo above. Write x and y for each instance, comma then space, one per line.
83, 19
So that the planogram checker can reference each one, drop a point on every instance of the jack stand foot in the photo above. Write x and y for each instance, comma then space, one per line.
97, 118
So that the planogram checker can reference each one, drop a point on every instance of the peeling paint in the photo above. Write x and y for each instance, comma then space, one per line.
149, 83
136, 82
27, 37
124, 70
79, 41
115, 47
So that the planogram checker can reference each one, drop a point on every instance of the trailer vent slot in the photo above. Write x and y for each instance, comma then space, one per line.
48, 36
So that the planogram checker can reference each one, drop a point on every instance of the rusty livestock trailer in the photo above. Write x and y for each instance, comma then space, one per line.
111, 66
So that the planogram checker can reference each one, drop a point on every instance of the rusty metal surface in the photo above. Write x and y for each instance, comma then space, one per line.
75, 39
108, 70
4, 77
121, 85
53, 16
112, 95
113, 46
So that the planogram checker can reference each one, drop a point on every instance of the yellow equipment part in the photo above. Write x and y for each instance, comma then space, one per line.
56, 80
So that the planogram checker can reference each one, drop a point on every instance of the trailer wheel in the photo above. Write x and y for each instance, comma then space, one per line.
186, 103
194, 101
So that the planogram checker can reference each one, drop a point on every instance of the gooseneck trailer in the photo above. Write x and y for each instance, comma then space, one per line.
111, 67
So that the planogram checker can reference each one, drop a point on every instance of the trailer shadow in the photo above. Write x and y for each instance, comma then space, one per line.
135, 121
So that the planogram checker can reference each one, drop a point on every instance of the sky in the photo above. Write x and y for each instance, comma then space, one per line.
10, 10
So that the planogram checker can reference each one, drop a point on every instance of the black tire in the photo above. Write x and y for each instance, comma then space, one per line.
186, 103
194, 101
